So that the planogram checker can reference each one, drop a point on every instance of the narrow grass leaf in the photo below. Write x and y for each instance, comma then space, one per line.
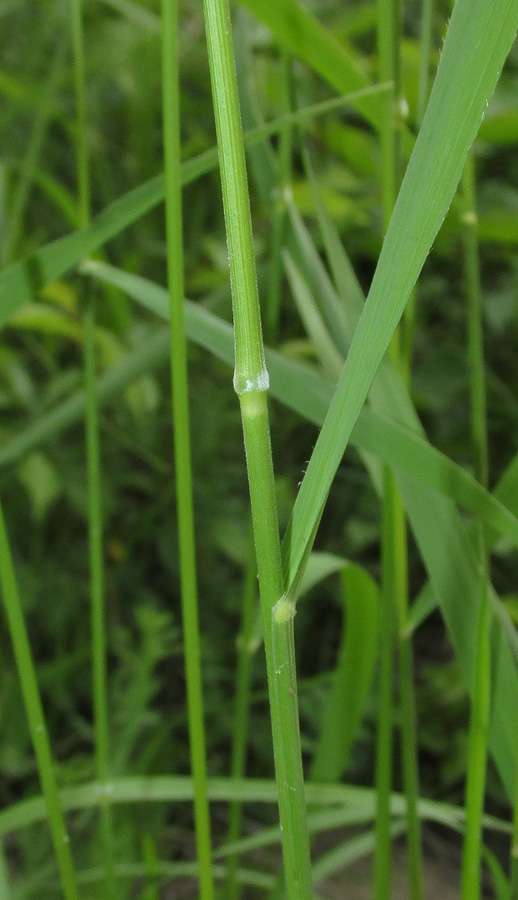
478, 40
310, 395
453, 575
179, 789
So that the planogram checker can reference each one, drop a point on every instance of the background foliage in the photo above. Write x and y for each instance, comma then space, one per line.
44, 489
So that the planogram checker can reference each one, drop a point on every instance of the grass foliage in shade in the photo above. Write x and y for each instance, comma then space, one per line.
219, 748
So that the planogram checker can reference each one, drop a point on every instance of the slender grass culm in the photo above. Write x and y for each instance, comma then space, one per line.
36, 717
93, 465
386, 40
480, 709
342, 364
394, 533
182, 442
251, 384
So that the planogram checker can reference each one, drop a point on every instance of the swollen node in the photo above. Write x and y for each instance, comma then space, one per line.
245, 384
284, 610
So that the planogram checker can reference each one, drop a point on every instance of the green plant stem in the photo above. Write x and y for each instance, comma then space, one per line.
182, 441
35, 715
384, 738
93, 464
410, 756
384, 751
480, 709
394, 537
251, 383
83, 171
278, 615
247, 646
98, 624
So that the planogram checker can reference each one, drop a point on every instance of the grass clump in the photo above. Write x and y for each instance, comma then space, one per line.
344, 230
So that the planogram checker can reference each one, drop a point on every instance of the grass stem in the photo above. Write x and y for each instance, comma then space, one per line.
93, 464
182, 441
394, 537
35, 715
384, 744
251, 384
479, 724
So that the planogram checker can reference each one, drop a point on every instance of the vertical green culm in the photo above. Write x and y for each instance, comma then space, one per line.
394, 538
384, 742
481, 690
182, 441
35, 716
251, 385
93, 464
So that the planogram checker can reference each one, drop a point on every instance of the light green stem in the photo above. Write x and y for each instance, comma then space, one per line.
36, 718
251, 383
278, 615
384, 746
479, 724
394, 571
384, 738
182, 442
83, 169
96, 560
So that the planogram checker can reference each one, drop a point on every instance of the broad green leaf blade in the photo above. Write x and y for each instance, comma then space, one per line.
310, 395
353, 675
478, 40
